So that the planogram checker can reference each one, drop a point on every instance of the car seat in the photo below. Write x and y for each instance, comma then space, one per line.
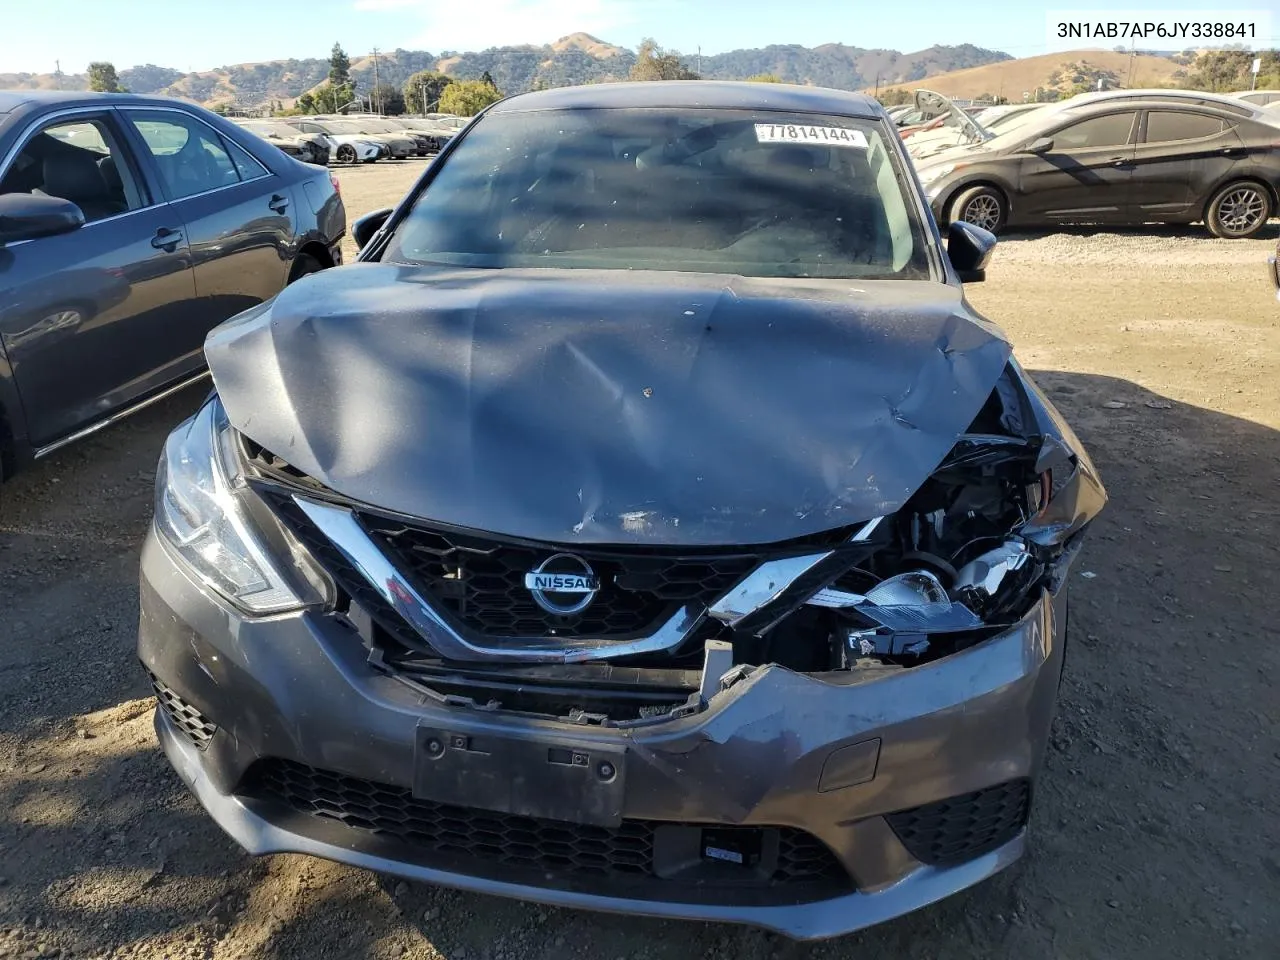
76, 177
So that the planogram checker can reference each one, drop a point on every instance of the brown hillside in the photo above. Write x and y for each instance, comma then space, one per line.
587, 44
1011, 78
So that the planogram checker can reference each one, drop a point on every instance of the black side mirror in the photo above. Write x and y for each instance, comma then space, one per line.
364, 228
969, 249
1274, 263
27, 216
1040, 145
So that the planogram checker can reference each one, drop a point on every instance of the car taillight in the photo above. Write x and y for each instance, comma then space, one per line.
337, 187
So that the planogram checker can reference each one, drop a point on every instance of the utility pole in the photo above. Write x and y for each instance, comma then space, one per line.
877, 86
375, 81
57, 73
1132, 50
699, 59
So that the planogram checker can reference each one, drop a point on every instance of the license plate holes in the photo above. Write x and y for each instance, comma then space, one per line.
550, 778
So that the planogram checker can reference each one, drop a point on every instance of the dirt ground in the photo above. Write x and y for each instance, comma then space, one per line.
1156, 828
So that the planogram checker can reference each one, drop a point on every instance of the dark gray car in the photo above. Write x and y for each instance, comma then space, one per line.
646, 523
1126, 158
130, 227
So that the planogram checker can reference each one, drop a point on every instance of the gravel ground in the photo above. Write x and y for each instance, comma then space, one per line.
1155, 826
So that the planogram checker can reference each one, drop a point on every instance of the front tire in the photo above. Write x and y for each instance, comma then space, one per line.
983, 207
346, 153
1238, 211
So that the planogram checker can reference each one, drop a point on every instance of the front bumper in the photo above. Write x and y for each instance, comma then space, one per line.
777, 750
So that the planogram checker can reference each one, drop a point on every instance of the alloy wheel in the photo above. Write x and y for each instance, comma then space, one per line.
982, 211
1241, 210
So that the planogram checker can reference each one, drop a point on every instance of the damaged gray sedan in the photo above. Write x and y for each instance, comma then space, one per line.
646, 523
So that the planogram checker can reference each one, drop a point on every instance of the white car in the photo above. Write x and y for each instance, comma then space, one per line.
343, 147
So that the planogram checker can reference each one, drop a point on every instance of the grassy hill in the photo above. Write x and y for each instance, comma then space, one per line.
576, 58
1054, 71
844, 67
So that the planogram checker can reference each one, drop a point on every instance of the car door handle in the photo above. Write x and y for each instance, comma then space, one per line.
1121, 162
278, 203
166, 239
1232, 151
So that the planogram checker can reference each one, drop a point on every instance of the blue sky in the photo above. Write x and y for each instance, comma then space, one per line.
35, 33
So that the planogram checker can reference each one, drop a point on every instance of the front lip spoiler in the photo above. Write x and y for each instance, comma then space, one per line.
807, 921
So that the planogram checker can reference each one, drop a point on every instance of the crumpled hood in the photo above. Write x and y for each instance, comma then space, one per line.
610, 406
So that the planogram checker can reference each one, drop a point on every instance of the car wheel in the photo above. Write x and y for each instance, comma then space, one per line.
346, 153
984, 207
303, 264
1238, 211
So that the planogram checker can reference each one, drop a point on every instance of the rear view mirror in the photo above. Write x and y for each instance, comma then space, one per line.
364, 228
1040, 145
969, 249
27, 216
1274, 263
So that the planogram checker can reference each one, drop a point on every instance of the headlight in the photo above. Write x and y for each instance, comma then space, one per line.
200, 516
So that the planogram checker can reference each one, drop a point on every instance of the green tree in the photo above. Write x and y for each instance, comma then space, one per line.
103, 78
330, 98
765, 78
306, 103
466, 98
423, 89
388, 99
339, 66
1227, 71
487, 77
655, 63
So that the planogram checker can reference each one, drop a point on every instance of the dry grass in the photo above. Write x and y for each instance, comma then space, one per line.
1011, 78
587, 44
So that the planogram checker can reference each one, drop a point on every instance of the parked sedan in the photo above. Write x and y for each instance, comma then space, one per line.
1117, 160
436, 134
344, 146
398, 145
647, 524
308, 147
129, 227
423, 144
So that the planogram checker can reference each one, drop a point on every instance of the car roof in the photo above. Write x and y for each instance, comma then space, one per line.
11, 100
712, 94
1232, 104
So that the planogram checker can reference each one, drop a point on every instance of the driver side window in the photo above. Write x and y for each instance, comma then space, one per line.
78, 160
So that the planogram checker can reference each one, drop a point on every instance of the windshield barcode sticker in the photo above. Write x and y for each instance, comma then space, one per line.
808, 133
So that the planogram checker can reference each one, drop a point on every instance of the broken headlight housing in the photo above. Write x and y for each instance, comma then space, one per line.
965, 558
201, 518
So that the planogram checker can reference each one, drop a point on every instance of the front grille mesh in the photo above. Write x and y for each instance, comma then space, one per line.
961, 828
433, 830
479, 581
191, 723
